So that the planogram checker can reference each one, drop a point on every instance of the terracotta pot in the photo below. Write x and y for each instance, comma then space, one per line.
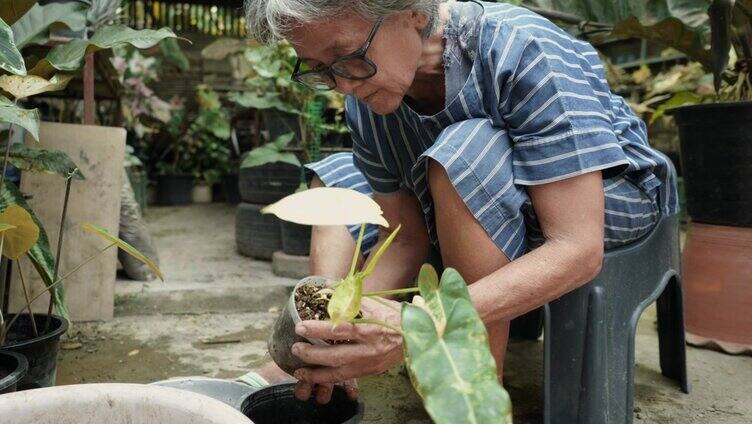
717, 268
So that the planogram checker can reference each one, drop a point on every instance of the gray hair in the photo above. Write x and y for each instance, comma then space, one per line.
269, 20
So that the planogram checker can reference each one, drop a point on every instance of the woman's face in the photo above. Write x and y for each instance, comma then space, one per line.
396, 50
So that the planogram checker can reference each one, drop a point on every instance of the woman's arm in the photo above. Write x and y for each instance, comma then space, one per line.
402, 261
570, 213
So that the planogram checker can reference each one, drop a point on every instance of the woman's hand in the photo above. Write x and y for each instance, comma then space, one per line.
372, 349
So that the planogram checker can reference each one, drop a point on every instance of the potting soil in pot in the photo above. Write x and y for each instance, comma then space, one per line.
311, 304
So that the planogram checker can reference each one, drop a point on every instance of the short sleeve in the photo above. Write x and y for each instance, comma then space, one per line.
365, 158
557, 106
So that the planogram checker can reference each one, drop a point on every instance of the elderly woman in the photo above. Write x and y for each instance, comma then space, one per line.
483, 129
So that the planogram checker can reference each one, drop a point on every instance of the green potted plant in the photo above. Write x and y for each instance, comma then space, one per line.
211, 134
263, 180
22, 237
441, 329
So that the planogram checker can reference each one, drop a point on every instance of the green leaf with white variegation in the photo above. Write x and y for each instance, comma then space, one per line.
452, 370
22, 86
69, 57
43, 161
35, 24
25, 118
10, 58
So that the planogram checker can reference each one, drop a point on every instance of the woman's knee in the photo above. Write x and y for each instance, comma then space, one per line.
316, 182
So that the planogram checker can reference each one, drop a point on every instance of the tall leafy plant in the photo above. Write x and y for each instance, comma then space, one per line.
20, 80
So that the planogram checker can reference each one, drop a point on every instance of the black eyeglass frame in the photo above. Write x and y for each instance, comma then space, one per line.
359, 54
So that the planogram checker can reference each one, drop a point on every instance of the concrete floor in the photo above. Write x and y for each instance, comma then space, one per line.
213, 314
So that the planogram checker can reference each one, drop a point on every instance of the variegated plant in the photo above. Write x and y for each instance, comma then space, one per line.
446, 345
24, 22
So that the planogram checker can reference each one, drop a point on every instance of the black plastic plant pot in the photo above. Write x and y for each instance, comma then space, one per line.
174, 189
716, 158
41, 352
283, 334
268, 183
277, 404
296, 238
230, 190
13, 368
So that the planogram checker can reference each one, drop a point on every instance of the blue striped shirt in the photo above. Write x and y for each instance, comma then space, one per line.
537, 85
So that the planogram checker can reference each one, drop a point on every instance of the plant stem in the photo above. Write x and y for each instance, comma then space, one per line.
89, 259
392, 292
28, 302
357, 249
59, 249
377, 322
7, 156
53, 285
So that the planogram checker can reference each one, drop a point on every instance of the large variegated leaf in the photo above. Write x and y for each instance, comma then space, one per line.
68, 57
125, 247
12, 10
40, 254
25, 118
34, 26
21, 86
328, 206
23, 236
44, 161
10, 57
452, 370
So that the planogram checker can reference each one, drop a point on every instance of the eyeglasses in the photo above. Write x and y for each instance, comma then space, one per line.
353, 66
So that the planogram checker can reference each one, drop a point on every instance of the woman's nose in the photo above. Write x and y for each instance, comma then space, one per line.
346, 86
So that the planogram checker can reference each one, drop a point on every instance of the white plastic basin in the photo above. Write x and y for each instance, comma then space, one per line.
114, 404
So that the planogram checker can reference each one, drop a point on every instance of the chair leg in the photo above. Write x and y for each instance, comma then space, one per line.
594, 406
565, 344
671, 341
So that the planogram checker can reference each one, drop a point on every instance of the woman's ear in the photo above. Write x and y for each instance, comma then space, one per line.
419, 19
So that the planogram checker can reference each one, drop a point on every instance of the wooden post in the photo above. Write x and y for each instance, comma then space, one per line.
89, 102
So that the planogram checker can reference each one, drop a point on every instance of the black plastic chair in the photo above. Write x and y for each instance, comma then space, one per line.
589, 344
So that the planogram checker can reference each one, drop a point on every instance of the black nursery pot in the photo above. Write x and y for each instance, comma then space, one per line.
716, 158
174, 189
40, 352
277, 404
230, 189
268, 183
13, 368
